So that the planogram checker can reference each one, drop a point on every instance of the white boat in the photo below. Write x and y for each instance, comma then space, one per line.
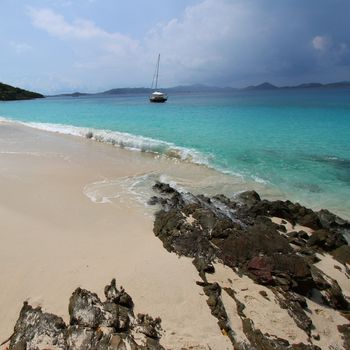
157, 96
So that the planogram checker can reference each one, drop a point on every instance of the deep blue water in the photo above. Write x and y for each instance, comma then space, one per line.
297, 141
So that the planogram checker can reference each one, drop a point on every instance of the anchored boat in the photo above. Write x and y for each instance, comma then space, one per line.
157, 96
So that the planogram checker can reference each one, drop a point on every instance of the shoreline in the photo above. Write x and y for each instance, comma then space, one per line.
232, 183
73, 215
54, 238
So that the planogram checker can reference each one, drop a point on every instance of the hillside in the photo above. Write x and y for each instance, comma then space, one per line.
10, 93
269, 86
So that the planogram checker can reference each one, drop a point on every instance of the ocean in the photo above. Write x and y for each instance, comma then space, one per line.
294, 143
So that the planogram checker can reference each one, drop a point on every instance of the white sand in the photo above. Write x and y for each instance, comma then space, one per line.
266, 314
72, 214
270, 318
54, 238
335, 270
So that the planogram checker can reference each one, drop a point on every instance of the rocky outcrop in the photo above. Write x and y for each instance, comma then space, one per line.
94, 324
240, 234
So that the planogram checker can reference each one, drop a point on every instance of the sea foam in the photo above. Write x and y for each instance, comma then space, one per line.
124, 140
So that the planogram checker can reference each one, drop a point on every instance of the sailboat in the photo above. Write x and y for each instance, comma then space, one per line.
157, 96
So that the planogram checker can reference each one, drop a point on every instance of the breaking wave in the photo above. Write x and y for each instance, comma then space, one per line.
139, 143
123, 140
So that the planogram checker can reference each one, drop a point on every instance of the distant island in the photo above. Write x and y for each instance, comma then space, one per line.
269, 86
206, 88
11, 93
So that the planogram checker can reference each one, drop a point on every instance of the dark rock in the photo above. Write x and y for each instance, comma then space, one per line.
249, 198
329, 220
329, 289
153, 201
334, 297
241, 235
264, 294
203, 265
163, 188
345, 331
116, 296
327, 240
213, 291
262, 342
85, 309
260, 268
310, 220
33, 325
295, 305
149, 326
342, 254
94, 325
79, 337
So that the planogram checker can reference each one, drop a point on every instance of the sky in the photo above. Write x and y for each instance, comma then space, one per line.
54, 46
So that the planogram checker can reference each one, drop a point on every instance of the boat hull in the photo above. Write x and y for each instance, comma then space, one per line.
158, 99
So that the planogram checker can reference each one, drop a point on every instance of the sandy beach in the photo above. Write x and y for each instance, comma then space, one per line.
54, 237
73, 213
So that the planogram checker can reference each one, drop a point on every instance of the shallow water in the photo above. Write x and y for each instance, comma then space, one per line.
292, 143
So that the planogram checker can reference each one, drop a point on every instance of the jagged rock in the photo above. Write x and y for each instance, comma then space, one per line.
329, 220
35, 329
327, 240
94, 325
240, 234
213, 291
202, 265
151, 327
80, 337
262, 342
295, 305
85, 309
334, 296
329, 289
116, 296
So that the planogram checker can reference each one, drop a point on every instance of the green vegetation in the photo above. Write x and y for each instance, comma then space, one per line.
10, 93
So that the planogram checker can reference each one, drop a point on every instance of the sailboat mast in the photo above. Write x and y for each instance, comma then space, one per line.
157, 71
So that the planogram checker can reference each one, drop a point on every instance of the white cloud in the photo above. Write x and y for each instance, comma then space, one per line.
321, 43
20, 47
211, 38
93, 46
231, 42
80, 29
56, 25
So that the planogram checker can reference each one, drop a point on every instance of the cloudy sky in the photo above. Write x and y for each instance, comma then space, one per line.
92, 45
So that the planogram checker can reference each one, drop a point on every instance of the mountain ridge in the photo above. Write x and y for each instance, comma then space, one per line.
207, 88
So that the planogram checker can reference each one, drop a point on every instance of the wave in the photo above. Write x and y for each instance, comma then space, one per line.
123, 140
141, 144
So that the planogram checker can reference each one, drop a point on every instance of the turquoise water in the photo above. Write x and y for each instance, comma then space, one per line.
295, 141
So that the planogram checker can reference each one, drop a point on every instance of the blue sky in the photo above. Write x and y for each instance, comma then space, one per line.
56, 46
